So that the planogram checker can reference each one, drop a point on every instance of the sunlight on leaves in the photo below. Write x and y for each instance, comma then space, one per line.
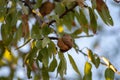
93, 58
108, 63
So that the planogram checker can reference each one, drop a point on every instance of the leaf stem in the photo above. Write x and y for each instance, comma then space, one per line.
87, 56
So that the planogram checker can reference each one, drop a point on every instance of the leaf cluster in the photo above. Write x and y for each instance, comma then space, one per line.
57, 18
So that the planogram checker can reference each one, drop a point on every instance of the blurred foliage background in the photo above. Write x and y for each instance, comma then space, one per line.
59, 39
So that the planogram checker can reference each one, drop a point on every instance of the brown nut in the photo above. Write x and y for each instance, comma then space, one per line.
63, 47
67, 39
65, 43
46, 8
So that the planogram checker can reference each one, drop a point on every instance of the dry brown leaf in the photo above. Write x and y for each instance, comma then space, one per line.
100, 5
25, 26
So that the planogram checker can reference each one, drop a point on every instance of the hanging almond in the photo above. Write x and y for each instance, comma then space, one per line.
65, 43
46, 8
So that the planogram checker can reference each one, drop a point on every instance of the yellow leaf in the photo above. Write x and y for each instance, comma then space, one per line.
60, 29
88, 67
89, 54
109, 64
37, 13
1, 19
113, 68
33, 43
7, 55
106, 61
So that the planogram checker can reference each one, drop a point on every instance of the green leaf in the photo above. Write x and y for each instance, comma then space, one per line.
18, 33
36, 32
7, 35
12, 16
93, 4
73, 64
29, 72
38, 3
109, 74
39, 44
43, 56
93, 21
32, 55
46, 30
104, 13
59, 69
68, 19
29, 59
45, 75
82, 20
53, 65
2, 49
87, 71
97, 62
107, 16
45, 42
40, 56
62, 67
52, 48
59, 8
77, 32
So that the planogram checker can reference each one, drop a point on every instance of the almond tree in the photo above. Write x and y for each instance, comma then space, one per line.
56, 25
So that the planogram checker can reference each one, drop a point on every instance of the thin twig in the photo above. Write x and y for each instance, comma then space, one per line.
87, 56
85, 36
52, 38
23, 44
68, 10
83, 53
29, 5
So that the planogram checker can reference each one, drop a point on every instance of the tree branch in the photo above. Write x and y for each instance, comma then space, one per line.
87, 56
28, 4
64, 13
83, 36
52, 38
